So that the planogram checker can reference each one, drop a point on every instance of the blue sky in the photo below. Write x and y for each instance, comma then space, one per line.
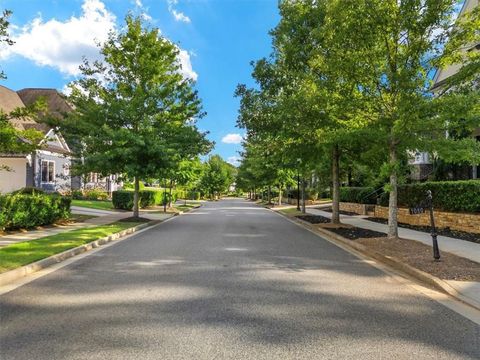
218, 39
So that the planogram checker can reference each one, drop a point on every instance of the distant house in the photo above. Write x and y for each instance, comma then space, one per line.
47, 168
59, 107
423, 162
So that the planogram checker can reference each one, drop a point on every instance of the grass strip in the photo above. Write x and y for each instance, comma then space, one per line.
23, 253
291, 211
94, 204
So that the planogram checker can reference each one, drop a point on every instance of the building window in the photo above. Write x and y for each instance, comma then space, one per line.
48, 171
66, 170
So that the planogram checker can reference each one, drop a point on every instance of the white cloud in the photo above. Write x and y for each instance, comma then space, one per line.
186, 64
232, 139
234, 160
178, 15
63, 44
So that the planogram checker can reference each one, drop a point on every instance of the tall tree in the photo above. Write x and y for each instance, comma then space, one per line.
134, 111
394, 46
217, 176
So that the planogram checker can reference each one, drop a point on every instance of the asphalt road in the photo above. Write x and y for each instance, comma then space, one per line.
228, 281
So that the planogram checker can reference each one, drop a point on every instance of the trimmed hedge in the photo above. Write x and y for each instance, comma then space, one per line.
194, 195
19, 210
123, 199
456, 196
360, 195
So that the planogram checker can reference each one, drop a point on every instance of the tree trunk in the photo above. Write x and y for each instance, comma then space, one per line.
269, 194
304, 210
279, 195
336, 185
170, 196
165, 195
393, 198
136, 197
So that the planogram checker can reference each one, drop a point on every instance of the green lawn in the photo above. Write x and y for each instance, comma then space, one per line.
94, 204
80, 217
291, 211
185, 208
19, 254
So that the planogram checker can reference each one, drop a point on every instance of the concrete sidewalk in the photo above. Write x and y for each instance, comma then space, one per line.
466, 249
103, 218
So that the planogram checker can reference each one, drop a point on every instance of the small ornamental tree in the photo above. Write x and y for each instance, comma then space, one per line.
134, 111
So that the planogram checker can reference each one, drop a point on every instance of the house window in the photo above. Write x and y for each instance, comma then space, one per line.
48, 171
66, 170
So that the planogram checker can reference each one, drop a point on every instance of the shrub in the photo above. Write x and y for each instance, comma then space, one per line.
360, 195
29, 191
30, 210
194, 195
447, 195
77, 195
95, 194
123, 199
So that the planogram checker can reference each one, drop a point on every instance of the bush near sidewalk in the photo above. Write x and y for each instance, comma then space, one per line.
456, 196
23, 210
123, 199
359, 195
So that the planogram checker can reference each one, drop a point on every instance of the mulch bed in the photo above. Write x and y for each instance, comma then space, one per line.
342, 212
413, 253
355, 233
467, 236
419, 256
314, 219
347, 231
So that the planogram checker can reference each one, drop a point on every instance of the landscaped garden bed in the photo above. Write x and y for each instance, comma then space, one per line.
419, 256
342, 212
473, 237
410, 252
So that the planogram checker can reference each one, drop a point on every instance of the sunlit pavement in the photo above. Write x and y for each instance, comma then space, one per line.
230, 280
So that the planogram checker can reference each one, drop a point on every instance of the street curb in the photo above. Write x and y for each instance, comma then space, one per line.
391, 262
18, 273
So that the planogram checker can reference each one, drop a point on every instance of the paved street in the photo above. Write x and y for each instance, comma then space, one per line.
228, 281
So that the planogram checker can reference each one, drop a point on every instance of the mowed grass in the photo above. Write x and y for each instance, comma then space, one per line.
94, 204
291, 211
23, 253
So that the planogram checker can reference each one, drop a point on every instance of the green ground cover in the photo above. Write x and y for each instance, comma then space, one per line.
23, 253
94, 204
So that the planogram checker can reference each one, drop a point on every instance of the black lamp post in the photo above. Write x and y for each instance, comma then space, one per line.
436, 251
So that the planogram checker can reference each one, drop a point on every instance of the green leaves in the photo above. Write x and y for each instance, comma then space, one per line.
134, 112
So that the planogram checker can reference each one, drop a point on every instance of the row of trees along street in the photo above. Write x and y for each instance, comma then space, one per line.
347, 86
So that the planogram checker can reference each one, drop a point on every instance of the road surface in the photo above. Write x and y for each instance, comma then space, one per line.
228, 281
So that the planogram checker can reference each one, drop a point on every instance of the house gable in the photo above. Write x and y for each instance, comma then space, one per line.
442, 74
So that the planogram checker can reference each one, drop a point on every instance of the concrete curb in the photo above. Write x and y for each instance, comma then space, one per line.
15, 274
391, 262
